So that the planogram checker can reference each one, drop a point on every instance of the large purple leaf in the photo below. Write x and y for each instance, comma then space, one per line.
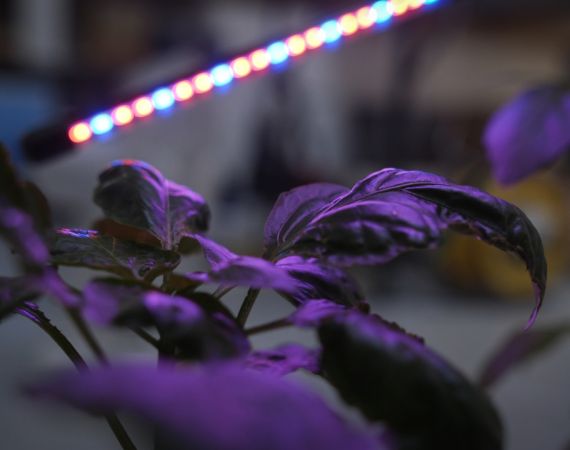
235, 270
196, 329
294, 209
520, 348
136, 194
393, 378
219, 407
284, 360
316, 279
393, 211
528, 133
89, 248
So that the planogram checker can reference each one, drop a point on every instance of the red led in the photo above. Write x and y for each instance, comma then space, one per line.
202, 83
241, 67
314, 37
183, 91
296, 45
80, 132
143, 107
348, 24
366, 17
122, 115
399, 6
259, 60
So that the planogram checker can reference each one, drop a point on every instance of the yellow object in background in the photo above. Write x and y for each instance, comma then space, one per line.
472, 264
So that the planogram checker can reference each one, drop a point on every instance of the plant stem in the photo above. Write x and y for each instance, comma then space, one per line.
40, 319
221, 291
269, 326
88, 336
247, 306
147, 337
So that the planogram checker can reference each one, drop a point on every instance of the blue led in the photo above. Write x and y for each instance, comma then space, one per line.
383, 10
222, 75
278, 52
101, 123
162, 98
429, 2
331, 31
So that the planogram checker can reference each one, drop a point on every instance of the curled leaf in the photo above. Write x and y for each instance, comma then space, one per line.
528, 133
393, 211
393, 378
221, 407
89, 248
520, 348
136, 194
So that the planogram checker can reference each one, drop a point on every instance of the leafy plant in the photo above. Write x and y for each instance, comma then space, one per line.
211, 389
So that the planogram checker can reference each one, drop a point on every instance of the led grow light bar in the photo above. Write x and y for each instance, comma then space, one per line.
376, 15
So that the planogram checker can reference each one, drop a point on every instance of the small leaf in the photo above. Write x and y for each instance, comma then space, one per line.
314, 312
284, 360
528, 133
294, 209
221, 407
136, 194
234, 270
393, 378
316, 279
520, 348
197, 332
89, 248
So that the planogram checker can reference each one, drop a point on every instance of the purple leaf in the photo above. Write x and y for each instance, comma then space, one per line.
393, 378
18, 229
294, 209
520, 348
393, 211
196, 329
220, 407
136, 194
528, 133
315, 312
89, 248
234, 270
284, 360
316, 279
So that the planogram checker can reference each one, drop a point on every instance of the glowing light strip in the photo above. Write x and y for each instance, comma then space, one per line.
378, 14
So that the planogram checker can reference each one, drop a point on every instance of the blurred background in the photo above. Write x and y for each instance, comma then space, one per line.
417, 95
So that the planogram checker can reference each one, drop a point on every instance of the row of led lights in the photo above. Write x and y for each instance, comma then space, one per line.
223, 74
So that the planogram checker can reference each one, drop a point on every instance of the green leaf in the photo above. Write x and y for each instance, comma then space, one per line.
88, 248
520, 348
392, 377
136, 194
